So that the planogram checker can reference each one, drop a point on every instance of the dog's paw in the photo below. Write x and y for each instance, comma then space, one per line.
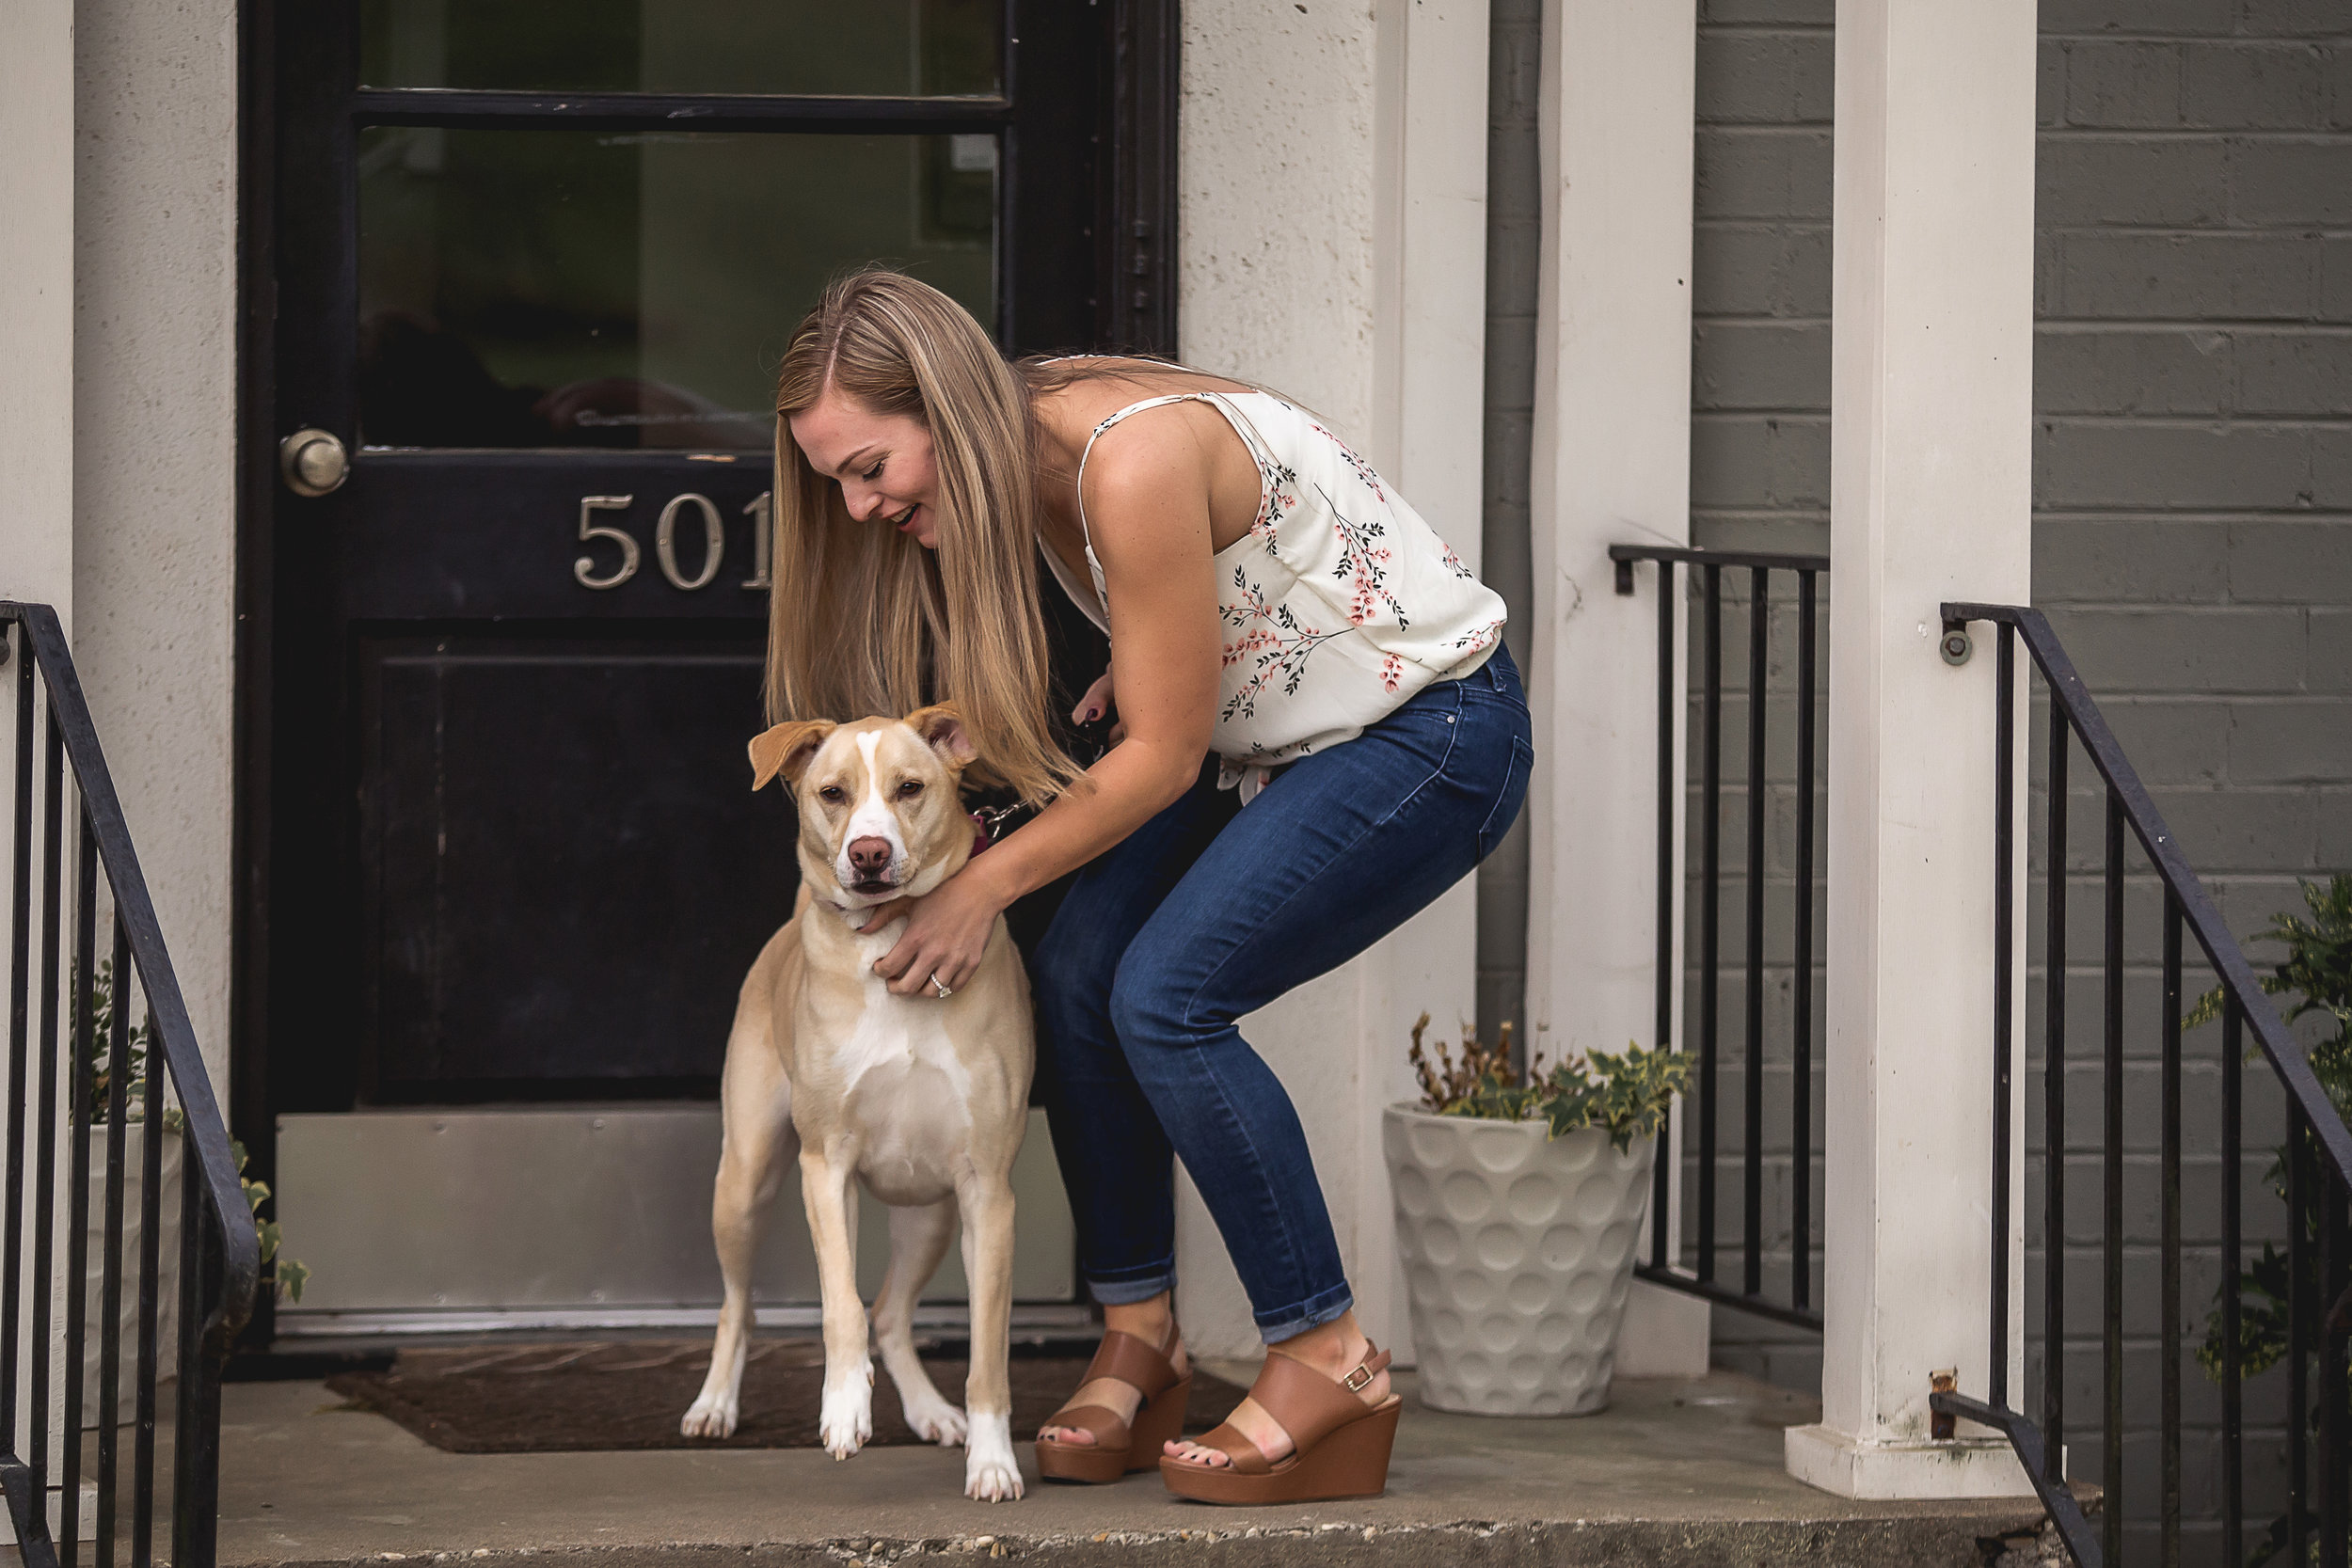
933, 1419
712, 1415
846, 1419
990, 1474
992, 1480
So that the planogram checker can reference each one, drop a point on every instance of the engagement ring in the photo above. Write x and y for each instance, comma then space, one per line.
942, 990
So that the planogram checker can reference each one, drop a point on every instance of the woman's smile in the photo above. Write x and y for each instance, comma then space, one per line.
917, 522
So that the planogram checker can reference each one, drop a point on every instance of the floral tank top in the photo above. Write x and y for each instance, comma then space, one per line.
1336, 608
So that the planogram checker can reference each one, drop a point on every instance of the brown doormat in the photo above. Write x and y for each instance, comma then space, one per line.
631, 1394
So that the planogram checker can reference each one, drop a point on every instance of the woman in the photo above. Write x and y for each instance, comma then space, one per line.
1319, 732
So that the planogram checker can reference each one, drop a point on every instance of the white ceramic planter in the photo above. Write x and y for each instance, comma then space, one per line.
166, 1271
1518, 1252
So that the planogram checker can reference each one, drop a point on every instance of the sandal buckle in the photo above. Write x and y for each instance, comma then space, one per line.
1358, 1379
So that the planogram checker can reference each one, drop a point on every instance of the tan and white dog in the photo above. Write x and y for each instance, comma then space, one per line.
923, 1098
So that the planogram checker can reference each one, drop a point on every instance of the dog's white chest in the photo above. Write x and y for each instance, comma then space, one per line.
898, 1031
909, 1095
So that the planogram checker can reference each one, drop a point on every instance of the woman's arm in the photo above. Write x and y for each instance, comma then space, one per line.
1148, 511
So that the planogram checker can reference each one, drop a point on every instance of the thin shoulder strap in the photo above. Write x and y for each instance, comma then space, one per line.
1131, 408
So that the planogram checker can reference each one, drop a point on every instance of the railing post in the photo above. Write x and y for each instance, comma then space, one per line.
1931, 490
1707, 1041
2111, 1217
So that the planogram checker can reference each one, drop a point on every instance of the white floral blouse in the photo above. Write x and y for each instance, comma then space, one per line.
1336, 608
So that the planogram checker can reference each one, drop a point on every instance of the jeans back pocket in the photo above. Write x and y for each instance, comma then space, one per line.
1509, 798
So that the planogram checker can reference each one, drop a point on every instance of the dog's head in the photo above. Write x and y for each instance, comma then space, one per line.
880, 816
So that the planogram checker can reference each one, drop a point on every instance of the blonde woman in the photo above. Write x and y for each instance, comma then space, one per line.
1319, 732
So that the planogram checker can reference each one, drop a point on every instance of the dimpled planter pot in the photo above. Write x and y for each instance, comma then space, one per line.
93, 1288
1518, 1252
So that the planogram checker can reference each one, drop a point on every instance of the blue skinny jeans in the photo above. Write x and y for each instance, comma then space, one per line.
1208, 912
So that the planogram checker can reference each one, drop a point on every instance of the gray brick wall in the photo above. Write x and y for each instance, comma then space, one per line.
2193, 503
1759, 394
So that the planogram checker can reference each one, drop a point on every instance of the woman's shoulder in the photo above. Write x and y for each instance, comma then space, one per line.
1143, 457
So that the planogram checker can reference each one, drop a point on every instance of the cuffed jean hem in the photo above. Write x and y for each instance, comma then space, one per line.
1126, 1293
1290, 1323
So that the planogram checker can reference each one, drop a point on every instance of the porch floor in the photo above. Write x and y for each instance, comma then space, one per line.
1677, 1472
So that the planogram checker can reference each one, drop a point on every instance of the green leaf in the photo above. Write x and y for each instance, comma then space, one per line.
2262, 1317
2317, 972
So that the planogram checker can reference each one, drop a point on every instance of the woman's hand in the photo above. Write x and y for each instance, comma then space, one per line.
1096, 703
948, 930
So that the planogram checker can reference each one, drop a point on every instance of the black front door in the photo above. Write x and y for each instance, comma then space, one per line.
532, 264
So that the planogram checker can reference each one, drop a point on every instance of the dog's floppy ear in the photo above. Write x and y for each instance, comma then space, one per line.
786, 750
941, 727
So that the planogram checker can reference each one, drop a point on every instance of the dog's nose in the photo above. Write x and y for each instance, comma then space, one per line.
869, 857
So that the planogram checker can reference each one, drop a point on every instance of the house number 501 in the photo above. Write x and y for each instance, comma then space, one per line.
760, 510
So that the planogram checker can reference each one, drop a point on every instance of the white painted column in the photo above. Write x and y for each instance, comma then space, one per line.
36, 303
1612, 465
156, 446
1931, 399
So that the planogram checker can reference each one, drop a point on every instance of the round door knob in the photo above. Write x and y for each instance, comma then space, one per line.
313, 462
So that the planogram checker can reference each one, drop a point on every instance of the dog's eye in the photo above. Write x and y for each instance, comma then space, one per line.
832, 793
910, 787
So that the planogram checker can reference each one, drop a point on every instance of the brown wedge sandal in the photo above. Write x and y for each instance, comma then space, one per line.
1119, 1448
1341, 1443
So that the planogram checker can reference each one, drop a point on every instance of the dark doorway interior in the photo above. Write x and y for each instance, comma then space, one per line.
532, 265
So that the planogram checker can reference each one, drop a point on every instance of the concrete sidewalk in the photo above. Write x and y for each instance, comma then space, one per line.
1679, 1472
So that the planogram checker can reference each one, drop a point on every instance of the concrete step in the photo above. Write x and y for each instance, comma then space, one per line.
1681, 1473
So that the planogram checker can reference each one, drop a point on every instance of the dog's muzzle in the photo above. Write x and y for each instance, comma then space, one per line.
869, 861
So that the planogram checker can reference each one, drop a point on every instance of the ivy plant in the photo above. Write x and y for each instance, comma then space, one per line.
1624, 1093
286, 1276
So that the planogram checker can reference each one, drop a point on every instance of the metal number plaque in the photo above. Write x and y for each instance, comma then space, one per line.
760, 509
585, 567
665, 542
762, 512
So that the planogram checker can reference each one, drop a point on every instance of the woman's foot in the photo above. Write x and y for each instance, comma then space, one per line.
1334, 1349
1153, 1322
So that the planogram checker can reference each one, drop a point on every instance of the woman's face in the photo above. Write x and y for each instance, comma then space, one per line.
885, 463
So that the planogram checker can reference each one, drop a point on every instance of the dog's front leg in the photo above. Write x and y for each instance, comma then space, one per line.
990, 1473
828, 1186
759, 1141
918, 1240
743, 1190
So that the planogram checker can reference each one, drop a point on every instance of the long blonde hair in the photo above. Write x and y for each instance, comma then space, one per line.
865, 620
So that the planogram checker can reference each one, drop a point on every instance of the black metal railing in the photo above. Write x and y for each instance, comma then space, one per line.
2307, 1483
83, 1080
1703, 1154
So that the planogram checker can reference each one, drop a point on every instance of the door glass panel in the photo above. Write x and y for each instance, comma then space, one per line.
577, 287
877, 48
